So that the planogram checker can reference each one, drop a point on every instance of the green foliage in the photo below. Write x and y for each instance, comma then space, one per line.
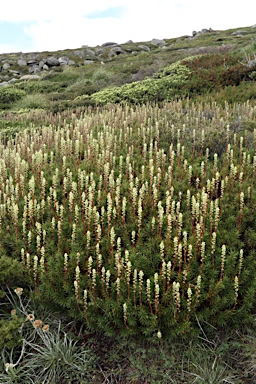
10, 94
34, 101
236, 94
162, 87
10, 332
11, 272
33, 351
118, 247
213, 72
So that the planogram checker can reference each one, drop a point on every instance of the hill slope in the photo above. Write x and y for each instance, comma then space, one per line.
133, 72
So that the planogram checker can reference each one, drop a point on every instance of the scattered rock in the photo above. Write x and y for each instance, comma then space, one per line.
15, 73
12, 81
30, 77
35, 69
6, 66
41, 64
204, 30
4, 84
89, 52
239, 33
144, 48
52, 61
79, 53
108, 44
117, 50
86, 62
158, 42
99, 51
31, 62
33, 56
22, 62
63, 60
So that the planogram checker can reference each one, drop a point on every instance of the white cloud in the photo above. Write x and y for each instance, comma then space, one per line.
59, 24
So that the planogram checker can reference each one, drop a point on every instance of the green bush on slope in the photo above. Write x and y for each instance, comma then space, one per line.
164, 85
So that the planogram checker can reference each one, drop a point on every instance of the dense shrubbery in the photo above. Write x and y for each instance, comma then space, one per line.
215, 71
190, 77
136, 220
9, 95
132, 221
163, 86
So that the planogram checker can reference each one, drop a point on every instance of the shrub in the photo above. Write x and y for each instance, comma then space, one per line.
136, 220
164, 85
213, 72
34, 101
8, 95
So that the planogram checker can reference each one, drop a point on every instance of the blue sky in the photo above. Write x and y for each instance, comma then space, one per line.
50, 25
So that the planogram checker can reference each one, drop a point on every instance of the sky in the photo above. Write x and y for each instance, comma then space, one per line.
50, 25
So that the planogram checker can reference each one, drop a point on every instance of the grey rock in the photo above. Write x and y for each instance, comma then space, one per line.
33, 56
15, 73
63, 60
253, 26
89, 52
31, 62
99, 50
108, 44
30, 77
117, 50
86, 62
22, 62
85, 46
240, 33
80, 53
45, 67
41, 64
111, 54
6, 66
71, 62
204, 30
158, 42
34, 69
52, 61
129, 42
12, 81
144, 48
4, 84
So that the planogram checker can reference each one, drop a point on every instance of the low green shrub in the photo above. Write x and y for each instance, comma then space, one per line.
33, 101
163, 86
9, 95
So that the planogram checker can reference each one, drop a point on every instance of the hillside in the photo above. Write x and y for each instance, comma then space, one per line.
127, 212
66, 79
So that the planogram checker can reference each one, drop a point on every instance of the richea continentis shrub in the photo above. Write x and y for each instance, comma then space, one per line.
131, 220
